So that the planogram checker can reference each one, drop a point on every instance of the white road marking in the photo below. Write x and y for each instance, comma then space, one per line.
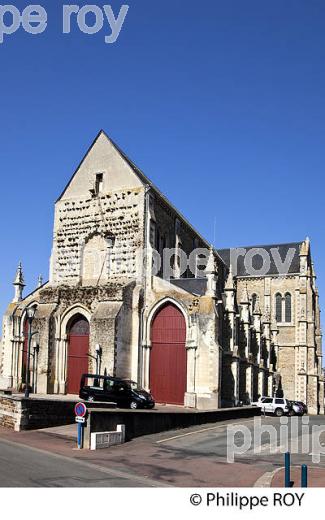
201, 431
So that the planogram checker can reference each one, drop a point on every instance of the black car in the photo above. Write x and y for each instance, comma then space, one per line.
303, 406
297, 408
125, 393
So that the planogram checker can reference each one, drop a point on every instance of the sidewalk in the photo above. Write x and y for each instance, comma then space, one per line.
316, 477
48, 397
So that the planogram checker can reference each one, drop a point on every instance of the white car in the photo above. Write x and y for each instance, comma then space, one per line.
275, 405
258, 402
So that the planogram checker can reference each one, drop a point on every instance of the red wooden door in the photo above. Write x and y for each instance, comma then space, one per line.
77, 353
168, 356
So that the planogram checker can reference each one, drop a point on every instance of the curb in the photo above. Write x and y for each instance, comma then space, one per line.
266, 479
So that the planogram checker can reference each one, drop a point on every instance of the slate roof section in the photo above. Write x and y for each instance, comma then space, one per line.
288, 251
196, 286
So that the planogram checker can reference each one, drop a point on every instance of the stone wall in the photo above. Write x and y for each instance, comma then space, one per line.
115, 219
10, 413
298, 341
169, 230
28, 414
288, 371
17, 413
145, 422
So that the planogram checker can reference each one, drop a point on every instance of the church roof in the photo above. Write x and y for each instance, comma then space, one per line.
196, 286
288, 251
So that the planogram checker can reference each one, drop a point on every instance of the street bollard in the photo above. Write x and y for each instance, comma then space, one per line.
287, 479
80, 436
304, 476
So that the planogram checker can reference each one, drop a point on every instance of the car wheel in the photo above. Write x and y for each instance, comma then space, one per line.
91, 399
279, 412
133, 405
291, 413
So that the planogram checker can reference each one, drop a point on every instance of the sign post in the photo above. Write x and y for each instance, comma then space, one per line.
80, 411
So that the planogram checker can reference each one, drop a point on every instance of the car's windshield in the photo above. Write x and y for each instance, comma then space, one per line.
134, 385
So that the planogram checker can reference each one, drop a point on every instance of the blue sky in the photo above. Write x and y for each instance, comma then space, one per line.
221, 103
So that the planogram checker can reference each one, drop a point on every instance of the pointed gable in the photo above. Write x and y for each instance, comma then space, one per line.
102, 159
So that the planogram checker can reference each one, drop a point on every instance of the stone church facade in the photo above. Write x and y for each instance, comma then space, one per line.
131, 279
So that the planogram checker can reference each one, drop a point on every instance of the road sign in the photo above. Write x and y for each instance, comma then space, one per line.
80, 419
80, 410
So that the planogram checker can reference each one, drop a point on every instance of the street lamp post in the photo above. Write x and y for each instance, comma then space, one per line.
99, 352
97, 358
35, 363
30, 317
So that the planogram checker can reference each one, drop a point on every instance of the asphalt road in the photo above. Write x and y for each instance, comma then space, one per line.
246, 441
196, 456
22, 466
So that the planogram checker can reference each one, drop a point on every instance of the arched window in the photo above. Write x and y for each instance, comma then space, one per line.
288, 308
278, 308
254, 302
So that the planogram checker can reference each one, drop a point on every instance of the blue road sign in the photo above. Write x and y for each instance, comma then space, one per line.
80, 410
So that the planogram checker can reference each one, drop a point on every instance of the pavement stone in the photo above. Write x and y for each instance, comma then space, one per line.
316, 477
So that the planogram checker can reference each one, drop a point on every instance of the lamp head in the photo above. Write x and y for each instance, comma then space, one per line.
31, 313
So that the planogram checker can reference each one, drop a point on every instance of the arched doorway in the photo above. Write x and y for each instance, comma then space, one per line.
78, 348
168, 356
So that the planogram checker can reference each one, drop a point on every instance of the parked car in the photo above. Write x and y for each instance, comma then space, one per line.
258, 402
275, 405
125, 393
303, 405
297, 408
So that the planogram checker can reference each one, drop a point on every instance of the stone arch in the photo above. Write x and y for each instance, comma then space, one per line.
191, 343
69, 314
77, 351
168, 358
23, 316
62, 344
155, 309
